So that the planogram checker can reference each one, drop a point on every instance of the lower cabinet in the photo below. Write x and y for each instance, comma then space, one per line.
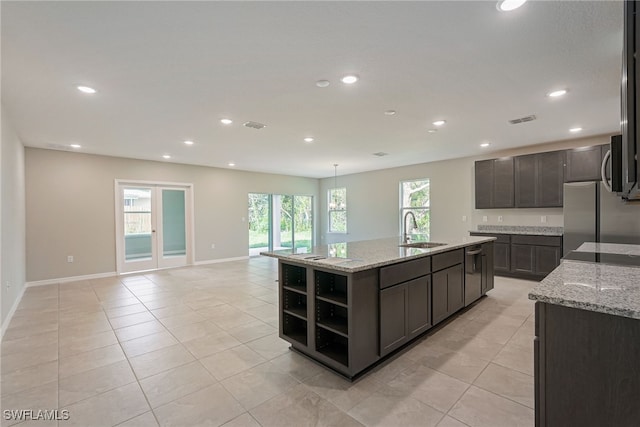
405, 312
447, 292
488, 253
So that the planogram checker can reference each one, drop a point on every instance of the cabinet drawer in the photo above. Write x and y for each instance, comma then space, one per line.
500, 238
522, 239
398, 273
447, 259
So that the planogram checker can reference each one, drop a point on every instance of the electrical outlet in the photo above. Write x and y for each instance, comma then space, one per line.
464, 218
8, 285
484, 218
499, 218
213, 246
70, 258
543, 218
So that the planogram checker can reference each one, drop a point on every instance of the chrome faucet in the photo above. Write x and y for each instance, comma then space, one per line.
405, 236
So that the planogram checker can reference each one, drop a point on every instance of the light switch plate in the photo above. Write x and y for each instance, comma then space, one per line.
484, 218
543, 218
499, 218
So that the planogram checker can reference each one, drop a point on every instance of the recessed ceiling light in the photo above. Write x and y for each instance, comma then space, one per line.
232, 164
432, 130
484, 144
188, 142
439, 122
166, 156
574, 130
308, 139
349, 79
509, 5
557, 93
86, 89
390, 113
323, 83
76, 146
226, 121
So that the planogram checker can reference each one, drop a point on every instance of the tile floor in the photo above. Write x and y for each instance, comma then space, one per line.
199, 346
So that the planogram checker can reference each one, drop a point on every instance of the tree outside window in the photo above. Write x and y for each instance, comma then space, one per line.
337, 202
414, 197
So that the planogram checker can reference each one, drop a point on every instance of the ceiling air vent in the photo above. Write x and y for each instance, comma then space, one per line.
523, 119
380, 154
254, 125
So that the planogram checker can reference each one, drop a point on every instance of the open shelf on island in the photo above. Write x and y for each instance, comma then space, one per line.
332, 345
332, 316
294, 328
332, 287
294, 277
295, 302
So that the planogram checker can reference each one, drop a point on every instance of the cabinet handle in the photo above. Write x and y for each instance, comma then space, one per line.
476, 252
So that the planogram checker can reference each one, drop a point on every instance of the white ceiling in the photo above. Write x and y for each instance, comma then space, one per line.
168, 71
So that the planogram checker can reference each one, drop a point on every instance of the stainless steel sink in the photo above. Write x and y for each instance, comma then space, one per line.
422, 245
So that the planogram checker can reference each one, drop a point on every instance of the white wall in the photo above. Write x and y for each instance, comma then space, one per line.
71, 208
373, 197
12, 219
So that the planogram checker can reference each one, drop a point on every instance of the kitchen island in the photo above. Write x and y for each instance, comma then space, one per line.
587, 344
349, 305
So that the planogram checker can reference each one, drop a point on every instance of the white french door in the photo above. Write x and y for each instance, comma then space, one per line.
153, 227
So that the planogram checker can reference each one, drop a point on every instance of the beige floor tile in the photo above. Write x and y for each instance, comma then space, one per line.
139, 330
258, 384
145, 420
84, 327
182, 319
516, 358
125, 310
296, 365
383, 409
231, 321
108, 409
24, 318
231, 362
88, 360
458, 365
173, 384
244, 420
32, 357
71, 345
13, 333
211, 344
212, 406
391, 368
480, 408
204, 303
28, 343
436, 389
252, 331
154, 362
119, 302
448, 421
507, 383
131, 319
300, 407
174, 310
87, 384
194, 331
269, 347
33, 376
148, 343
472, 345
342, 393
44, 397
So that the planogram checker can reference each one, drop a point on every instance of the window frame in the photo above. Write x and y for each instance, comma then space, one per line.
404, 209
336, 210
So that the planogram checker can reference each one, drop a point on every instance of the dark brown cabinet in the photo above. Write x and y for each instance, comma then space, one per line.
583, 164
539, 179
494, 183
487, 266
447, 292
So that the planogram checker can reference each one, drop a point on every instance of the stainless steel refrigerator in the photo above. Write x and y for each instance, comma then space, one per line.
593, 214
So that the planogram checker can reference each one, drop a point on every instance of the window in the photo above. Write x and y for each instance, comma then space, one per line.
337, 202
414, 197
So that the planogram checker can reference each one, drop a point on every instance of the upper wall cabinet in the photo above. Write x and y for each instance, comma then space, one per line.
494, 183
583, 164
539, 179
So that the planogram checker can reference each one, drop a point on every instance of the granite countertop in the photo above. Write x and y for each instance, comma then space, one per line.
351, 257
519, 229
599, 287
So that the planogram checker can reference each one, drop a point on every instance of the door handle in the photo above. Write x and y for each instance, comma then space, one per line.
474, 252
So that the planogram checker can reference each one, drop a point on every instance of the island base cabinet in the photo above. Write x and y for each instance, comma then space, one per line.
404, 313
586, 368
447, 293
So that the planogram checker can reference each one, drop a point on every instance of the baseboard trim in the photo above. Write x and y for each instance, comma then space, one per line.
16, 303
70, 279
216, 261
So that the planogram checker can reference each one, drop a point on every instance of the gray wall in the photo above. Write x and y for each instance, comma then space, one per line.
71, 208
373, 197
12, 214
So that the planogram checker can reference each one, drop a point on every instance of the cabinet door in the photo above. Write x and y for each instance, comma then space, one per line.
583, 164
455, 288
502, 256
419, 306
550, 179
439, 296
547, 259
484, 184
525, 181
503, 185
487, 266
393, 318
522, 258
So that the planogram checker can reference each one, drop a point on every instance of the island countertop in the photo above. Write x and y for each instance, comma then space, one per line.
598, 287
351, 257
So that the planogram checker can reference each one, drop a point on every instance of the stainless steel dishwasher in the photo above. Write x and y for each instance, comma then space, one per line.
473, 274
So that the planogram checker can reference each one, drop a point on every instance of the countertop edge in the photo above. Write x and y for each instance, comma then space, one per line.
584, 306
